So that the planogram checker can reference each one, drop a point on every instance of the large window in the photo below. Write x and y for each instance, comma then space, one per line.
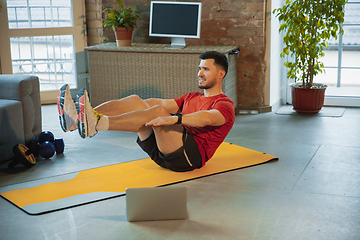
342, 58
51, 58
43, 38
39, 13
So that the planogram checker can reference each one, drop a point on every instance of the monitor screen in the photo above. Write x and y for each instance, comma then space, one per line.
175, 19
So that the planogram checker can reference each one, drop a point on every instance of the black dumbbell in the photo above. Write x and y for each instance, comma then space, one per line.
23, 155
46, 136
59, 145
48, 143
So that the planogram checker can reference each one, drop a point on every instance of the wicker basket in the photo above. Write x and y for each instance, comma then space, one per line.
150, 70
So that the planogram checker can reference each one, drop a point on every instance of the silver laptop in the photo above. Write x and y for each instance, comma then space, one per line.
160, 203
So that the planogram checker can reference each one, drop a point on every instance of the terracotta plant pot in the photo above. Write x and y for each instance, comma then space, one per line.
123, 36
306, 100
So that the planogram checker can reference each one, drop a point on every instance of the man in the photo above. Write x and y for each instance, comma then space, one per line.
180, 134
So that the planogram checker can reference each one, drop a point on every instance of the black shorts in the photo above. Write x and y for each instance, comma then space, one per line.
186, 158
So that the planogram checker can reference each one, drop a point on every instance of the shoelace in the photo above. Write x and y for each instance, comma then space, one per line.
98, 115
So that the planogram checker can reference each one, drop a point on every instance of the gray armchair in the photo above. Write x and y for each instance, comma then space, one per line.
20, 111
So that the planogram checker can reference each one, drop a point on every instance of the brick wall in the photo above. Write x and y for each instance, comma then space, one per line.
224, 22
94, 22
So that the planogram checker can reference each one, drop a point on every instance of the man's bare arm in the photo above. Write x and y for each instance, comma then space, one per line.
198, 119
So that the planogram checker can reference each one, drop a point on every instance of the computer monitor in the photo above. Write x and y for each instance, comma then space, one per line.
178, 20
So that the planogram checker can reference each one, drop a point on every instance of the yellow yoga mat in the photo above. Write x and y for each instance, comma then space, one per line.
96, 184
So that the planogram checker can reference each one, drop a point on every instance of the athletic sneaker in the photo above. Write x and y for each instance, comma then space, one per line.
67, 110
88, 118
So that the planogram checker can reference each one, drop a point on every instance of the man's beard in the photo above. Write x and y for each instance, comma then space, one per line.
204, 87
207, 85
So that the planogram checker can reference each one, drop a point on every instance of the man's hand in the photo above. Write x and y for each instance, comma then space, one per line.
163, 121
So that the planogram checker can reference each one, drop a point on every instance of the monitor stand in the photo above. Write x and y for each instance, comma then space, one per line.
177, 43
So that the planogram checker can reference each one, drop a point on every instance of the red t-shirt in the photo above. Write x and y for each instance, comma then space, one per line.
208, 138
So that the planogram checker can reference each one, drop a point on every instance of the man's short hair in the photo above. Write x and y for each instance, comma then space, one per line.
219, 58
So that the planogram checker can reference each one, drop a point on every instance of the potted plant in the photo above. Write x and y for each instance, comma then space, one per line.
122, 22
308, 25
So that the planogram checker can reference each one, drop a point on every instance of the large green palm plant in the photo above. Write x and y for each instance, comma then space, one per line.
308, 25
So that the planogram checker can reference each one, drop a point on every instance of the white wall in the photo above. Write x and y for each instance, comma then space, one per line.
277, 68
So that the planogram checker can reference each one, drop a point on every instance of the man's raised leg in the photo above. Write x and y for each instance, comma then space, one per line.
169, 138
120, 106
132, 115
